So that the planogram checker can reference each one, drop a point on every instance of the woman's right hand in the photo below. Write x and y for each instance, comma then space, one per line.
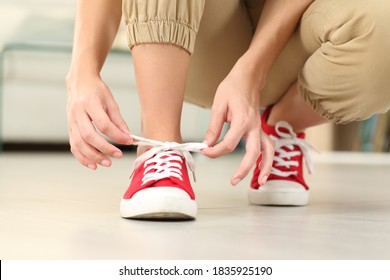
91, 107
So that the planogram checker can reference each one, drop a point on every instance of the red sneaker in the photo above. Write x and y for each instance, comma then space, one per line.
285, 184
160, 187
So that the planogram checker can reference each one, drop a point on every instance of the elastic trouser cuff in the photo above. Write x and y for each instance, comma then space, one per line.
167, 32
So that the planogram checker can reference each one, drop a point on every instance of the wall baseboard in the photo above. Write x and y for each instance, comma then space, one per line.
48, 147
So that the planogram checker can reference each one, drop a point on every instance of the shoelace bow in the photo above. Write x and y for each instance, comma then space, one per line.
288, 140
166, 158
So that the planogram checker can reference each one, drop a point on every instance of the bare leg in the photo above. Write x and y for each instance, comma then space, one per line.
161, 73
292, 109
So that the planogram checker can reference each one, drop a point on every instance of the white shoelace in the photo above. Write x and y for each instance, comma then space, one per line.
166, 160
288, 140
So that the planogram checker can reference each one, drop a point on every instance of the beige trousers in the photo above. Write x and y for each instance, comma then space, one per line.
340, 51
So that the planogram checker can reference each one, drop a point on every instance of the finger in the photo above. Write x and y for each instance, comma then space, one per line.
116, 117
75, 151
107, 127
268, 151
251, 155
81, 158
92, 138
86, 154
215, 127
229, 142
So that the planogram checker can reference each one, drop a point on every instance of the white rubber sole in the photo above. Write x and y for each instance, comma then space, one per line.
279, 192
159, 203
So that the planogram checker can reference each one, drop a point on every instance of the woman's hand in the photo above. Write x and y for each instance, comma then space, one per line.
91, 106
237, 101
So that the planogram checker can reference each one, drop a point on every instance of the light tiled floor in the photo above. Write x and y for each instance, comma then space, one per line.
53, 208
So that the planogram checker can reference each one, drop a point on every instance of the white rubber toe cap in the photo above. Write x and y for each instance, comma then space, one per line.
279, 192
159, 203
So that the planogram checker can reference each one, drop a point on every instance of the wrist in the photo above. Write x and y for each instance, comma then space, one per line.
77, 74
85, 63
254, 70
261, 58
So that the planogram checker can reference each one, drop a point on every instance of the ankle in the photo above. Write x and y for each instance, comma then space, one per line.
277, 114
163, 136
158, 137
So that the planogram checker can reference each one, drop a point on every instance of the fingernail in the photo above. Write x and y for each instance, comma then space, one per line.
117, 155
264, 180
205, 142
105, 163
91, 166
236, 181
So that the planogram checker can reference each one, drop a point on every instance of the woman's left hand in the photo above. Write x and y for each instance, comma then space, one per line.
237, 102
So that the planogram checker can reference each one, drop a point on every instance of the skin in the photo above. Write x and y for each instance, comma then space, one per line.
91, 106
292, 107
167, 66
237, 98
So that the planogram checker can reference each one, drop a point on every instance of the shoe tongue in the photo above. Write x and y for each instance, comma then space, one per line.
168, 157
171, 151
